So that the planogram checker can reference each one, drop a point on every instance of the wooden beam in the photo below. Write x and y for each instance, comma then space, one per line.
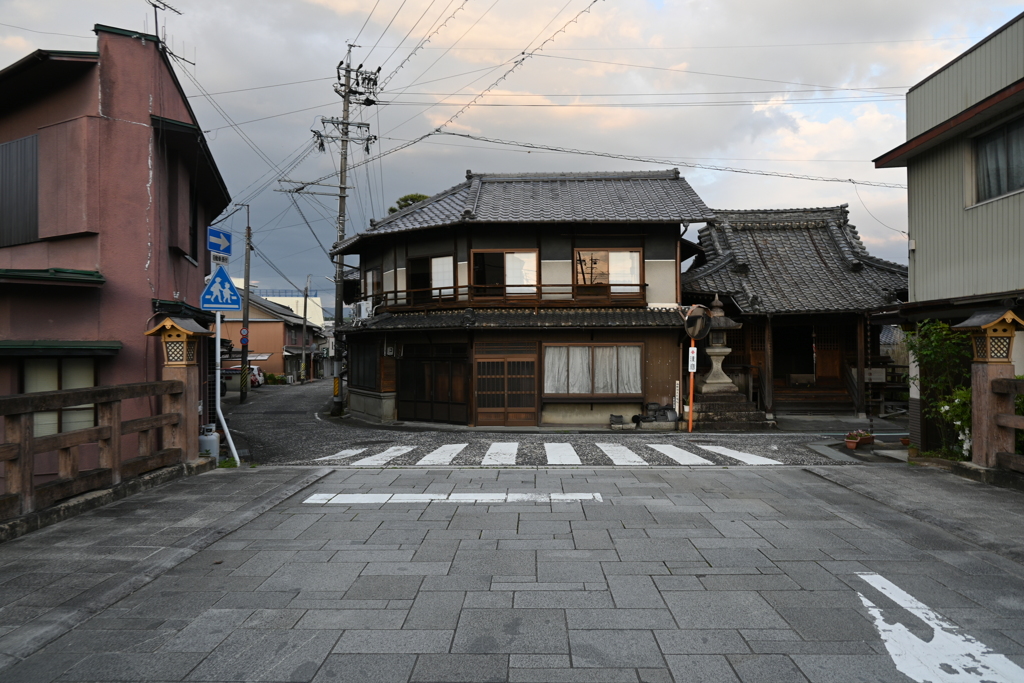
110, 447
53, 442
146, 423
53, 400
1011, 421
9, 451
1008, 386
861, 389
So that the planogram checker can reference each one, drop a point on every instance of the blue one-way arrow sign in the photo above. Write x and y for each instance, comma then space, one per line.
218, 241
220, 294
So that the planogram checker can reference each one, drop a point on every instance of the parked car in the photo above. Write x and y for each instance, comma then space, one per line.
256, 376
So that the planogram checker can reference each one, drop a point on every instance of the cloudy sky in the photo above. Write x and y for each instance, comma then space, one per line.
800, 87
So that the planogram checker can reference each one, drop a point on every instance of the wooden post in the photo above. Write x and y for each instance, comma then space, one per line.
67, 459
185, 434
110, 449
861, 405
987, 437
19, 429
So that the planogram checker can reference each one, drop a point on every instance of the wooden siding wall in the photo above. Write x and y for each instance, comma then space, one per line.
963, 249
992, 66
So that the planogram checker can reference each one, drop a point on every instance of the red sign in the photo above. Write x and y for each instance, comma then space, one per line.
244, 332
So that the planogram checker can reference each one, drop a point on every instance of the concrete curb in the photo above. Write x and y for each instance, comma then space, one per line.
36, 634
72, 507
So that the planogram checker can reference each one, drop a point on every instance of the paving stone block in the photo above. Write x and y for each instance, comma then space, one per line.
406, 641
572, 676
700, 642
726, 610
207, 631
435, 610
273, 618
766, 669
266, 655
337, 619
485, 599
528, 631
366, 668
539, 661
460, 668
635, 592
495, 562
563, 599
614, 649
312, 577
115, 666
701, 669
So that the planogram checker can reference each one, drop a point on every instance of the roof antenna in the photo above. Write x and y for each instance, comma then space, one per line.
160, 5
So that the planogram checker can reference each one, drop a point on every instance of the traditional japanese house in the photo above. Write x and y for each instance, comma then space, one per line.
523, 299
803, 284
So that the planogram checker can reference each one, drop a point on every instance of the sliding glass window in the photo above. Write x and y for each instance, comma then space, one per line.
603, 271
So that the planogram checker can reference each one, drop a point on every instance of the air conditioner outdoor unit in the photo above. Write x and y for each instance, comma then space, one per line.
363, 309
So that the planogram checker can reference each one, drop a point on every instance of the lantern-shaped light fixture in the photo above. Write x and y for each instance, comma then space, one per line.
180, 337
992, 333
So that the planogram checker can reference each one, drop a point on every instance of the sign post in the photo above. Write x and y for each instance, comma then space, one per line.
220, 295
697, 323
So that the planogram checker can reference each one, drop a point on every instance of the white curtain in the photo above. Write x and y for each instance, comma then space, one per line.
43, 374
630, 370
442, 275
579, 370
78, 373
624, 269
520, 269
992, 167
556, 370
605, 370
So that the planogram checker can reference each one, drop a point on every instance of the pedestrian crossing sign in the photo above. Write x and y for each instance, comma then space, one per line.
221, 294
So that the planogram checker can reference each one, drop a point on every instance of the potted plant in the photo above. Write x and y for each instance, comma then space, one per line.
858, 437
905, 440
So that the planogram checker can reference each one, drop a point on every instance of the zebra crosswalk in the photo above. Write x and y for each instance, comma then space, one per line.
509, 454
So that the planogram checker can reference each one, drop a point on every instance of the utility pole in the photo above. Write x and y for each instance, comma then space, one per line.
304, 373
244, 386
351, 83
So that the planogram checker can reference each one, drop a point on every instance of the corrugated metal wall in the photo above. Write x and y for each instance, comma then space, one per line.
19, 191
992, 66
962, 249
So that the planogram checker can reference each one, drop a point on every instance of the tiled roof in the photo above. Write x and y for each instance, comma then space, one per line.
518, 318
638, 196
792, 261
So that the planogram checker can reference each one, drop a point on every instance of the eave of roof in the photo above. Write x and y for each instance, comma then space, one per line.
34, 59
510, 319
52, 347
1004, 100
52, 276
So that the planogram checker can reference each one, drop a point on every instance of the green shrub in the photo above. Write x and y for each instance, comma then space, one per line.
943, 358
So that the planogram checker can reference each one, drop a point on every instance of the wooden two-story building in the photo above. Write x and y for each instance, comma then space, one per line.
523, 299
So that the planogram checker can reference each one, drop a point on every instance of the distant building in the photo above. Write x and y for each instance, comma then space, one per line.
964, 157
107, 186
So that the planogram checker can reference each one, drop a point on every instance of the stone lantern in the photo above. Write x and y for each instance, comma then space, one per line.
716, 381
180, 340
992, 333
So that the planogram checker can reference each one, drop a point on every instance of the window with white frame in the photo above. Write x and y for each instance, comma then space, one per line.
593, 369
999, 160
56, 374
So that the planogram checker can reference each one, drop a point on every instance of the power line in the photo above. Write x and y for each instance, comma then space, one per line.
366, 22
648, 160
48, 33
657, 105
424, 41
264, 87
385, 30
902, 232
704, 73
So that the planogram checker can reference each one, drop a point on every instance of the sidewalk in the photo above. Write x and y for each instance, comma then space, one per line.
53, 579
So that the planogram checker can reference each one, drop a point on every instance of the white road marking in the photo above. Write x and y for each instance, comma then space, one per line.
319, 498
443, 455
359, 498
343, 454
679, 455
748, 458
477, 497
501, 454
951, 656
561, 454
383, 457
620, 455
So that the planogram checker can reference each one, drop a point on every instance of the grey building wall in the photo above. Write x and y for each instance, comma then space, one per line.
989, 67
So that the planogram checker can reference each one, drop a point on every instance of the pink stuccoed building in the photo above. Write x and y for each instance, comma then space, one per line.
107, 186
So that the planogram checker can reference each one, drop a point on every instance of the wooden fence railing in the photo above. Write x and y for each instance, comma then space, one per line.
21, 446
1010, 388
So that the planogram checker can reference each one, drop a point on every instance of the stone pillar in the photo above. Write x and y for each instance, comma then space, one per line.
987, 437
716, 381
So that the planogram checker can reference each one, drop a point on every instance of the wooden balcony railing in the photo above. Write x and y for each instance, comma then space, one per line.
510, 296
23, 495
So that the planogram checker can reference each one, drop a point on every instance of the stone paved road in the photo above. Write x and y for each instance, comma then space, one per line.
655, 574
